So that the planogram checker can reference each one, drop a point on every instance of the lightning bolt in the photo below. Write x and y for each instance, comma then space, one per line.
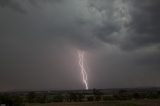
82, 68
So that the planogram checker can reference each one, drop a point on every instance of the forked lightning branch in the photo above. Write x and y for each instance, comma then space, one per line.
82, 68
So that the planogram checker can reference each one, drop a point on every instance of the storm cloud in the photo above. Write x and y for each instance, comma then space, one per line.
39, 40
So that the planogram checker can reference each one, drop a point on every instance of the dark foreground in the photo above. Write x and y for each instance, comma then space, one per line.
93, 97
109, 103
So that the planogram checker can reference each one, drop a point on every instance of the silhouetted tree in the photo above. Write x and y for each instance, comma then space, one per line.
18, 101
58, 98
97, 94
136, 96
108, 98
41, 99
90, 98
31, 96
152, 95
80, 97
5, 99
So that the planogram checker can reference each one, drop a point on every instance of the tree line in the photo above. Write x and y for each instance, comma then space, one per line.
95, 95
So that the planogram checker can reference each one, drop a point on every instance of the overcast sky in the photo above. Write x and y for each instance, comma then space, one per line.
39, 40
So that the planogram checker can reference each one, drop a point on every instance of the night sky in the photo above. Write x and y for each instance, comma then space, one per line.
39, 40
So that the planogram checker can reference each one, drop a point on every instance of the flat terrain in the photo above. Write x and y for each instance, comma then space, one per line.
109, 103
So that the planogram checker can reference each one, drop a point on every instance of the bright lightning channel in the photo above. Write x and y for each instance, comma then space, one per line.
82, 68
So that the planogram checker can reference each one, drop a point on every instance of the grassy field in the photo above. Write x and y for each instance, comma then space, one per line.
109, 103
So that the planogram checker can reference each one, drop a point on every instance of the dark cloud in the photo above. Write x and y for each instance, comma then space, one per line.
145, 23
139, 32
13, 4
130, 24
19, 5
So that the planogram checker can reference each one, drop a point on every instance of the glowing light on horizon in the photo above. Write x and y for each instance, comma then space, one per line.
83, 70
